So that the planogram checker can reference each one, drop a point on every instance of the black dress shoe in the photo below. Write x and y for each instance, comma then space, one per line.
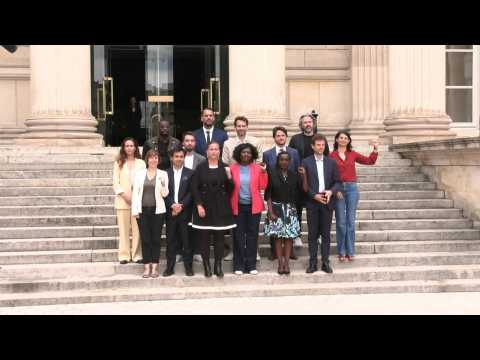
139, 262
188, 270
167, 273
293, 257
327, 268
123, 262
312, 266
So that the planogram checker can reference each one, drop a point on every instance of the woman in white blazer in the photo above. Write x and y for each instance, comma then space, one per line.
150, 187
128, 162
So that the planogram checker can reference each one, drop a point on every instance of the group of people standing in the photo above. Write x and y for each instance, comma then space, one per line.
208, 186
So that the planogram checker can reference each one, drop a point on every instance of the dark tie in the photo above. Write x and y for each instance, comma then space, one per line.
209, 140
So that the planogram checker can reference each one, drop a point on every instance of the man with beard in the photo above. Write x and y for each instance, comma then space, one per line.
163, 144
302, 143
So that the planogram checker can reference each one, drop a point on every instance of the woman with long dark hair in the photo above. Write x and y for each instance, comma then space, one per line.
128, 162
282, 196
347, 199
212, 186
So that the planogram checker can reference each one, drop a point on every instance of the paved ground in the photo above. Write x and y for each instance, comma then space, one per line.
443, 303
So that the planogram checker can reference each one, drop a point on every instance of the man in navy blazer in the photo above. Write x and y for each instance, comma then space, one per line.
208, 133
280, 136
323, 184
179, 212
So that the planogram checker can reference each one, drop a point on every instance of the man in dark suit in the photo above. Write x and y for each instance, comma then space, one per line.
323, 184
303, 144
280, 136
208, 133
179, 212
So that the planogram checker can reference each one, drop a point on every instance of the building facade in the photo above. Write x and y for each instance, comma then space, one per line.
82, 94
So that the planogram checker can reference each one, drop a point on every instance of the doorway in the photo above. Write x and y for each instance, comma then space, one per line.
166, 81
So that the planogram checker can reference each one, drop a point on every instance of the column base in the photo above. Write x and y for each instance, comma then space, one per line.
8, 135
61, 130
407, 129
363, 134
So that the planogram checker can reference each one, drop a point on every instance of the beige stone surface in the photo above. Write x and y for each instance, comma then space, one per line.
455, 166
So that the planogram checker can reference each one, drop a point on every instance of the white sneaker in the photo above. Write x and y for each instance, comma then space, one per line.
229, 257
298, 242
254, 272
258, 256
179, 259
238, 272
197, 258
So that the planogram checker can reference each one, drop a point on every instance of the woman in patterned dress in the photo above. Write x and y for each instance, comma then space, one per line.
282, 195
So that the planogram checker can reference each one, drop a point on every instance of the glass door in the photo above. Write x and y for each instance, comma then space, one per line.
159, 88
102, 91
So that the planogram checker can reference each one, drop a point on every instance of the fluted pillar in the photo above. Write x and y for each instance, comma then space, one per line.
61, 97
369, 91
258, 88
417, 94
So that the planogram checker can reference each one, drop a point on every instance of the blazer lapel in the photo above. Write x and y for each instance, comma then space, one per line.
315, 172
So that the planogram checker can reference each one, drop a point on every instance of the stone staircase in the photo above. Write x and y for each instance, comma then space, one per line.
58, 239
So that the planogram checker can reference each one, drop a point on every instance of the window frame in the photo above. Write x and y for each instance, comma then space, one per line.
475, 50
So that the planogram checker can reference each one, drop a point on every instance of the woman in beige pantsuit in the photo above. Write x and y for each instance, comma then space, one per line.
126, 165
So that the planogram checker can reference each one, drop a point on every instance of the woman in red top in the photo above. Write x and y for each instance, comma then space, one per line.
247, 204
347, 200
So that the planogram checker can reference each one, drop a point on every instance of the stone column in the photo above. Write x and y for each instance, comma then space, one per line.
369, 91
258, 89
60, 97
417, 94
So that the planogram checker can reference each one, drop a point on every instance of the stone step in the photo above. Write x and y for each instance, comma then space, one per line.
60, 200
128, 288
49, 174
55, 182
397, 186
56, 244
79, 220
72, 210
417, 177
388, 170
402, 195
362, 247
78, 210
105, 220
361, 235
381, 161
404, 204
111, 255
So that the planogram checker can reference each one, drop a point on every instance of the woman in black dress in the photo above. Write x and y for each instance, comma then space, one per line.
282, 196
212, 185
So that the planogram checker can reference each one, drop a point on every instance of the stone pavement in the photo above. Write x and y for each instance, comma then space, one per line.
370, 304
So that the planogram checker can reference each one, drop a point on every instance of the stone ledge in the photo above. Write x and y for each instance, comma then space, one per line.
465, 143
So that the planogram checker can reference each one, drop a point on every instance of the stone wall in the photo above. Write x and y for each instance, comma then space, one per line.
319, 78
14, 92
454, 165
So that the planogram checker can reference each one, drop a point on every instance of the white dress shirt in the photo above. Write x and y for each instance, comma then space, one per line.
189, 161
321, 177
279, 149
211, 134
177, 176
